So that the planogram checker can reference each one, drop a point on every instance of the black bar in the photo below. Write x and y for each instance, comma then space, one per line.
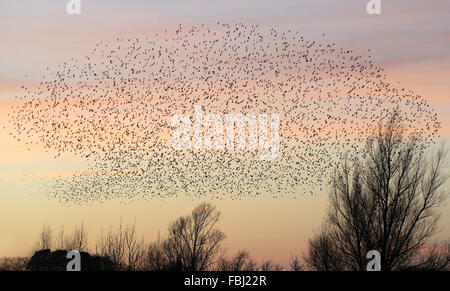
282, 280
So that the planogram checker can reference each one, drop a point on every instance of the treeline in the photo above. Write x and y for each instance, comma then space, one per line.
193, 243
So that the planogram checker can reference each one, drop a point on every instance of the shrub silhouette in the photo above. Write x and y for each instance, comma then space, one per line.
46, 260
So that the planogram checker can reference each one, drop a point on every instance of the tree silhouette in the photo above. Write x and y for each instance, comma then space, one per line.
239, 262
123, 247
242, 261
46, 238
75, 241
387, 202
193, 244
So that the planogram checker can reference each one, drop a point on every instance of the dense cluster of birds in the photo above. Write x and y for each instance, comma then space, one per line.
114, 106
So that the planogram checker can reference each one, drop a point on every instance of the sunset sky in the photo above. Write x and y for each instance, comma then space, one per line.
410, 40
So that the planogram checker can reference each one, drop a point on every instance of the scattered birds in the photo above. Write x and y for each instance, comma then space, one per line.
113, 108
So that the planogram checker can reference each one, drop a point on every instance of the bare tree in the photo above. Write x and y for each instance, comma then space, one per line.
112, 245
123, 247
240, 262
323, 254
295, 264
79, 239
45, 238
387, 202
61, 242
193, 243
434, 258
269, 265
134, 248
156, 260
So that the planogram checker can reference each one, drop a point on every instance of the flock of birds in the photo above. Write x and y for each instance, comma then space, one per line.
113, 108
